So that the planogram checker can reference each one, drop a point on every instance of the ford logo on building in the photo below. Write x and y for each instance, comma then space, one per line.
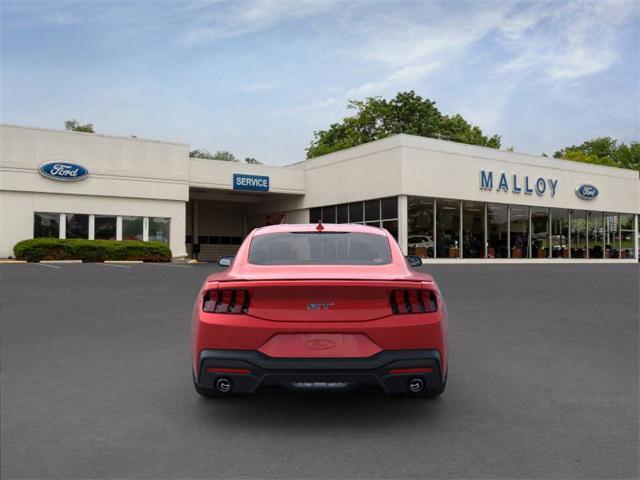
586, 191
63, 171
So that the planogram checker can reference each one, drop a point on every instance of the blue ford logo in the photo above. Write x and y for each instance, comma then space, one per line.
586, 191
64, 171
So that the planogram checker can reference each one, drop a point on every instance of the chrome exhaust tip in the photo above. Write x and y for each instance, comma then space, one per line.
416, 385
224, 385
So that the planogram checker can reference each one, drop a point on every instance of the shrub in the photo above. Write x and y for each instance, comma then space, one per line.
36, 249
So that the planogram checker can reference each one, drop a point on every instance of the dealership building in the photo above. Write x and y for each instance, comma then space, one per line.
443, 201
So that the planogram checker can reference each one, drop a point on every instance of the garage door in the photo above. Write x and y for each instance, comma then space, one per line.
220, 228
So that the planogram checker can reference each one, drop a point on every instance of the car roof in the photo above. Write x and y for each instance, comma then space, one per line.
313, 227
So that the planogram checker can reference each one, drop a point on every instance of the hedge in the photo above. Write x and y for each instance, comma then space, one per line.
36, 249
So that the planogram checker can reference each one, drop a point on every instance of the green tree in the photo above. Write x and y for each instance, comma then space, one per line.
604, 151
377, 118
219, 155
225, 156
252, 161
201, 153
74, 126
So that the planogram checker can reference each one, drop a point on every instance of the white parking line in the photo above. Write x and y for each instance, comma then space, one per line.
113, 265
170, 265
46, 265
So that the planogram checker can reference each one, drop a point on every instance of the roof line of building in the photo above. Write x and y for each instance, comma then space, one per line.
471, 151
118, 137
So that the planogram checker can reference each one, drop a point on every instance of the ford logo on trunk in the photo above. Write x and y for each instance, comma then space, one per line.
586, 191
63, 171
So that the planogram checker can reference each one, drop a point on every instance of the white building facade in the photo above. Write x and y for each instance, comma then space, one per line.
443, 201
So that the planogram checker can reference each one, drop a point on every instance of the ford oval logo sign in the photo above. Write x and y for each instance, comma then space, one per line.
63, 171
586, 191
320, 344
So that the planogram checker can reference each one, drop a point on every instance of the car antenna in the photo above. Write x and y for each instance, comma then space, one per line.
320, 227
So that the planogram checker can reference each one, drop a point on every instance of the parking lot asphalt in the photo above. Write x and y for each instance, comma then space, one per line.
96, 383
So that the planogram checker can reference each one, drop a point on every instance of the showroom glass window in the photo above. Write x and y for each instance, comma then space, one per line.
473, 230
540, 232
626, 235
497, 230
315, 215
559, 233
77, 226
159, 229
105, 227
420, 227
329, 214
372, 212
132, 228
611, 235
578, 234
389, 215
389, 208
342, 213
519, 231
379, 212
355, 212
46, 225
447, 228
596, 234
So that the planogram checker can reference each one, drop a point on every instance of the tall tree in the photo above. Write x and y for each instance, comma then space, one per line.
74, 126
377, 118
604, 151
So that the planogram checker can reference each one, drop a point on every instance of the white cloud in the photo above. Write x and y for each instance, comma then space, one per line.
564, 41
405, 77
250, 16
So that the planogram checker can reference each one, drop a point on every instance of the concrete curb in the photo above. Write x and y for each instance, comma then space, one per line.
123, 261
60, 261
522, 261
8, 262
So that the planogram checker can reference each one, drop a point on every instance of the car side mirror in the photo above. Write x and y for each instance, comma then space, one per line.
414, 260
225, 261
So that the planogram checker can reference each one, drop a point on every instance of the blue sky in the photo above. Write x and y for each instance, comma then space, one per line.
258, 77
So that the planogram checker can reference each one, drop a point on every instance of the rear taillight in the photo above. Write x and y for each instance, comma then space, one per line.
413, 301
226, 301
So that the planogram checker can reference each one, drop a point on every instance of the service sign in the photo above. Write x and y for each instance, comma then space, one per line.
257, 183
63, 171
586, 191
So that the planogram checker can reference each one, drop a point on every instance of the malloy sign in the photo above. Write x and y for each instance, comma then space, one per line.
515, 183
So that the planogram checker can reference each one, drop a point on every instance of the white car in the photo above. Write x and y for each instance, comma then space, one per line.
416, 241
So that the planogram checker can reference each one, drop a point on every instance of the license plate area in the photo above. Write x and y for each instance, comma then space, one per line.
326, 382
320, 385
319, 345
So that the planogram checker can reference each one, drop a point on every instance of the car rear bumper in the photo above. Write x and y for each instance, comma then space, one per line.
249, 370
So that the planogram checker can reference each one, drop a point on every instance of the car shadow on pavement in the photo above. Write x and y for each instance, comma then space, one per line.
318, 410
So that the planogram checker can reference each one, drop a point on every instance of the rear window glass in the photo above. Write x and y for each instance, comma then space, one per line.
311, 248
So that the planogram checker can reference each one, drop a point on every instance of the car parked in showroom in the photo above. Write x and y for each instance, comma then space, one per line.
319, 307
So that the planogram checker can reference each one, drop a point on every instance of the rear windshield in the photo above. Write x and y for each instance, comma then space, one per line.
312, 248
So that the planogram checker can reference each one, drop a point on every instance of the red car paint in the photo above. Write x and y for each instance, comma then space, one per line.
357, 322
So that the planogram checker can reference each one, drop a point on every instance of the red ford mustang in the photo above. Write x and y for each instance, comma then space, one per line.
319, 307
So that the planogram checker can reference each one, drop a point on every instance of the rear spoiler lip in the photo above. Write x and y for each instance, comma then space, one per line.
244, 283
